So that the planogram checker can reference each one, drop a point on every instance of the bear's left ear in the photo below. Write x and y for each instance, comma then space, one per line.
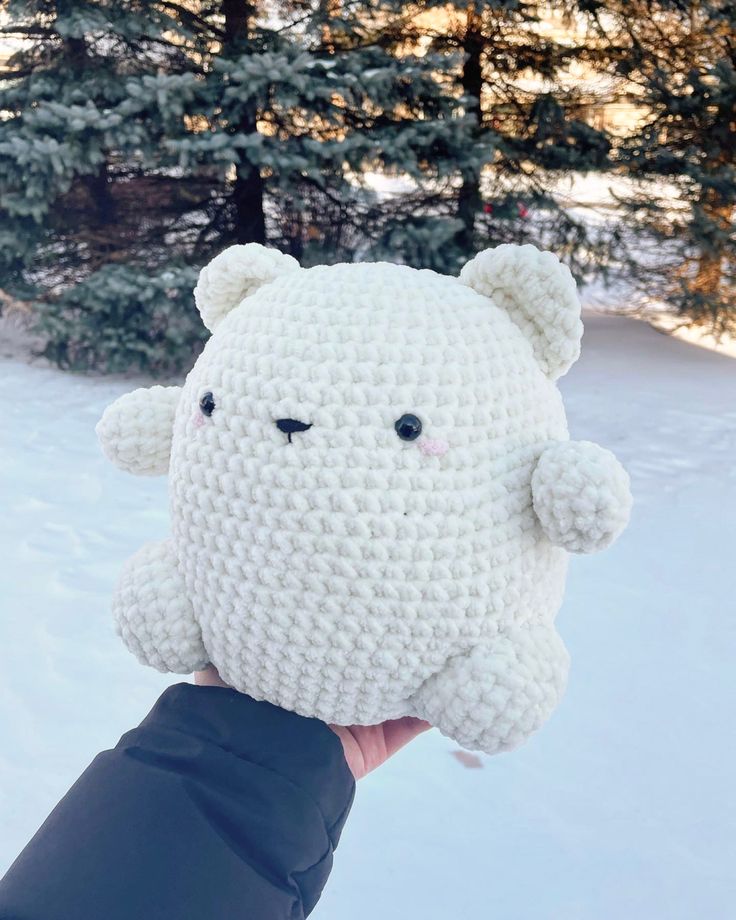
540, 296
234, 274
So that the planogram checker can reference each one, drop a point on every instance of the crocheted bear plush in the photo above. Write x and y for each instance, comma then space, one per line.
373, 491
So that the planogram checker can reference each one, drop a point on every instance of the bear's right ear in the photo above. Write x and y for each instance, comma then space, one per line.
234, 274
539, 294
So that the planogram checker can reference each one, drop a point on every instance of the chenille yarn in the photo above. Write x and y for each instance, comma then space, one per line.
340, 571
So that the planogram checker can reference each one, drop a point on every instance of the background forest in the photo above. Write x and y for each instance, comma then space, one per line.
138, 138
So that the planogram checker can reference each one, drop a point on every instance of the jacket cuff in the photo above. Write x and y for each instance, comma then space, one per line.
303, 751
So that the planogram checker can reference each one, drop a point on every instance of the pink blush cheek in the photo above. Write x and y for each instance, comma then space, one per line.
197, 419
433, 447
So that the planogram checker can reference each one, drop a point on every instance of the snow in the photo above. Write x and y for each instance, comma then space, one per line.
622, 808
695, 333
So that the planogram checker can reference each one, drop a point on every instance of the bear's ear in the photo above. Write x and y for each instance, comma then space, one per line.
540, 296
233, 275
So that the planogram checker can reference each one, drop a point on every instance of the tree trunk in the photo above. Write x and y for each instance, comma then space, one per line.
469, 199
100, 189
709, 276
101, 236
248, 187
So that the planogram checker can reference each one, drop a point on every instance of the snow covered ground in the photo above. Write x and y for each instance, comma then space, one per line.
623, 808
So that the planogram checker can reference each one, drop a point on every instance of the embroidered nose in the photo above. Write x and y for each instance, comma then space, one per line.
291, 425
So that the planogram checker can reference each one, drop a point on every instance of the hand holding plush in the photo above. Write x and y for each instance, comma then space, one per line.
373, 491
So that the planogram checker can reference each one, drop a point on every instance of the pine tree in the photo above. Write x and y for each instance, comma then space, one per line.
95, 218
303, 107
677, 60
140, 137
531, 116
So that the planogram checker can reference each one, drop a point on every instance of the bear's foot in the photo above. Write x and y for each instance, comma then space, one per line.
494, 697
153, 615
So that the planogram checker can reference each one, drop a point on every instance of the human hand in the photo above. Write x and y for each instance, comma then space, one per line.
366, 746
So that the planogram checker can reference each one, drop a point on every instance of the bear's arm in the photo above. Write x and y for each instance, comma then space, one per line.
135, 431
581, 496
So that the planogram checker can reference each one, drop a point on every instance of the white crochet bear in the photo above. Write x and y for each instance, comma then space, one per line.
373, 491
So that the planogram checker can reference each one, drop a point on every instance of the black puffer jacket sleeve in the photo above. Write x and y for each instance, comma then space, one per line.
216, 806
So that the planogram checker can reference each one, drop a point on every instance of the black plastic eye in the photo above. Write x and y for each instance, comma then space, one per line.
207, 404
408, 427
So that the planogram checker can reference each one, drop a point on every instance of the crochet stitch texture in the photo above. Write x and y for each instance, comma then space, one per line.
334, 568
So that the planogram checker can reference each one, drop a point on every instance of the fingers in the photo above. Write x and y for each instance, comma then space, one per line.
209, 677
368, 746
400, 732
